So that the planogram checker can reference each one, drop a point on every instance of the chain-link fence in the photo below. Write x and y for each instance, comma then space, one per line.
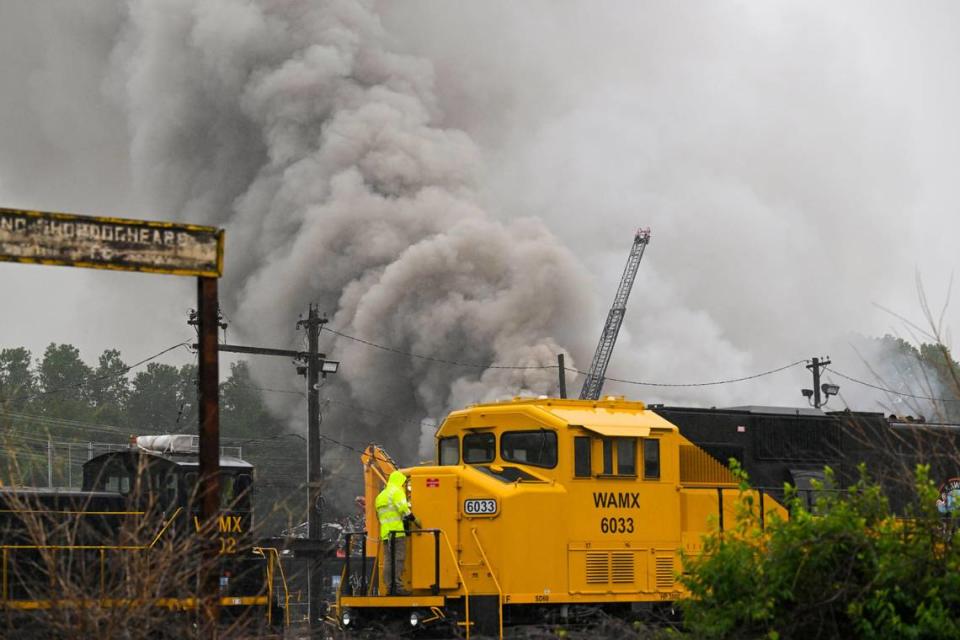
57, 464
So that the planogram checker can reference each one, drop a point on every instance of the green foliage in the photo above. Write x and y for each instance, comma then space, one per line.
108, 389
846, 568
61, 399
63, 393
155, 400
63, 376
17, 381
242, 405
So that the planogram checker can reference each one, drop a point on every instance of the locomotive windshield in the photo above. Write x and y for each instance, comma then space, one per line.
479, 447
536, 448
234, 490
449, 451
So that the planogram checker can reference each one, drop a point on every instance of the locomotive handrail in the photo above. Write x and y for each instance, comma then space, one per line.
762, 492
283, 580
345, 577
493, 574
438, 533
89, 547
436, 556
463, 583
165, 526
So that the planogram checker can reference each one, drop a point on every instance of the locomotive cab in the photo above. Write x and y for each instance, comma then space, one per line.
547, 503
138, 502
167, 479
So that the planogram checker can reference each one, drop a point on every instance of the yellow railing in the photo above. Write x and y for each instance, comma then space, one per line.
493, 574
270, 553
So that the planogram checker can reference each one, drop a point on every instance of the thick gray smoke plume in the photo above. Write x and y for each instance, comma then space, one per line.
296, 127
795, 160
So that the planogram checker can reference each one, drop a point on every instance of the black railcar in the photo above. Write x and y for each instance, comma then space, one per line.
138, 511
777, 445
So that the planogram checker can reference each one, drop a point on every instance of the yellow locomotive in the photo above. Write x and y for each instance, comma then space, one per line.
540, 503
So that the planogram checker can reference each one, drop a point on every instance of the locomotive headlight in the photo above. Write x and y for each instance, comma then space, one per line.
414, 619
346, 618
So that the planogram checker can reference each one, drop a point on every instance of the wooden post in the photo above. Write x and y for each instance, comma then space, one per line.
208, 394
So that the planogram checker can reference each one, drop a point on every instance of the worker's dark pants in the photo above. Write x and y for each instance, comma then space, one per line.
400, 557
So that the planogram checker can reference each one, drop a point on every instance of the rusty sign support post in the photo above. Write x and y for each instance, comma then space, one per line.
208, 396
66, 239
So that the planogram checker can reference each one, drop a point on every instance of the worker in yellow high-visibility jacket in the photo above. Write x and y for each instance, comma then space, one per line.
393, 509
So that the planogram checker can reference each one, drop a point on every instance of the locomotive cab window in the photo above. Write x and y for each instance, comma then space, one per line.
479, 447
170, 488
627, 456
651, 459
449, 451
228, 491
619, 457
115, 477
190, 487
537, 448
582, 467
244, 490
235, 491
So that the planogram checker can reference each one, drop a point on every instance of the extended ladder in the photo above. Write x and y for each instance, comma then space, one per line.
598, 368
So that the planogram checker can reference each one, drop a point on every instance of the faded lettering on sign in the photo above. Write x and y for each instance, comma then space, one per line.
110, 243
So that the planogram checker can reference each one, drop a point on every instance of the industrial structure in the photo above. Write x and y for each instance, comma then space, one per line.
593, 384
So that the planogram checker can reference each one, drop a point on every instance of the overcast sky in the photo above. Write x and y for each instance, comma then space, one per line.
796, 161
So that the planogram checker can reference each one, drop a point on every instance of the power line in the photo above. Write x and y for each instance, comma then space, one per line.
473, 365
707, 384
470, 365
123, 372
65, 422
890, 391
371, 411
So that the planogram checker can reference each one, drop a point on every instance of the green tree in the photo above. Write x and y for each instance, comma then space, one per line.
17, 381
243, 411
847, 568
62, 378
187, 407
154, 402
109, 388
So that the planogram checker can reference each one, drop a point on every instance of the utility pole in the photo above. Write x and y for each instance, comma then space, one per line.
813, 395
316, 366
312, 325
562, 370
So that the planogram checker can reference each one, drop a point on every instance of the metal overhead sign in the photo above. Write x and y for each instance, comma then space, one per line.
39, 237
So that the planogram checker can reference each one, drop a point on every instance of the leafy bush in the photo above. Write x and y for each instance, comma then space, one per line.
845, 568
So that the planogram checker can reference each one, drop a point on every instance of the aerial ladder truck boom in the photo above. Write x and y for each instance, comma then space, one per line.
593, 385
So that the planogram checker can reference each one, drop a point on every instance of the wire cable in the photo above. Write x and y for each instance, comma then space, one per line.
125, 371
890, 391
473, 365
705, 384
469, 365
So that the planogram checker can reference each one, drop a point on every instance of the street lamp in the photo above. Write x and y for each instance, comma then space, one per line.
329, 366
